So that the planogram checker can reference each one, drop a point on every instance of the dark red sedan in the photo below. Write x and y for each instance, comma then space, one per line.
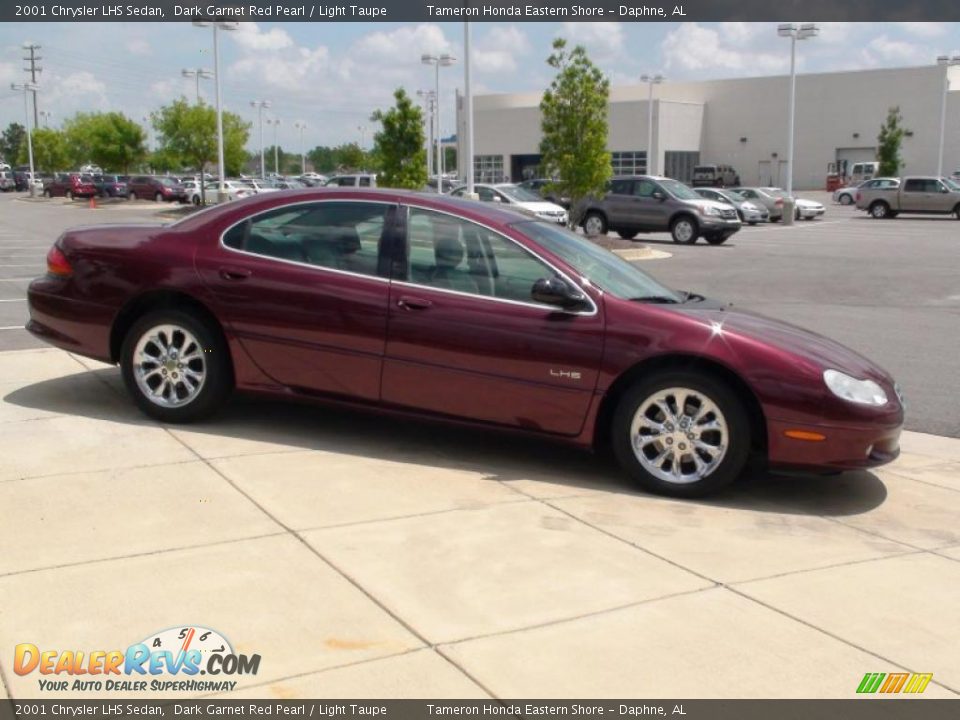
455, 309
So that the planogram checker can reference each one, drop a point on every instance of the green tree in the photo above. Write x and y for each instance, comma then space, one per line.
888, 143
450, 159
574, 127
322, 158
351, 157
10, 141
399, 145
50, 151
187, 138
111, 140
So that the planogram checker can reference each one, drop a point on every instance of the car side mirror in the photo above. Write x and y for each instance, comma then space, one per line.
657, 195
556, 291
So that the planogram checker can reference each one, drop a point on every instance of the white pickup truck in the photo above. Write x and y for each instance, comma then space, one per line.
927, 195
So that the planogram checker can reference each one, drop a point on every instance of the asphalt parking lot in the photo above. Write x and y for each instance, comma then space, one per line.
359, 555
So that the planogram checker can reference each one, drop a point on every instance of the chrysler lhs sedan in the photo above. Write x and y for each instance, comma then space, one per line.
462, 311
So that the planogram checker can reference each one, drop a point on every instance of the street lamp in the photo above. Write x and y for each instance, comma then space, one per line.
197, 73
946, 61
363, 135
260, 105
28, 88
46, 115
467, 110
301, 126
276, 154
221, 172
438, 61
650, 80
429, 98
794, 32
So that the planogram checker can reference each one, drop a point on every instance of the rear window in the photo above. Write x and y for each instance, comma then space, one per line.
705, 169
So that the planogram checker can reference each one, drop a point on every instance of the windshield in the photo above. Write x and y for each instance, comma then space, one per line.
168, 181
679, 190
519, 194
952, 184
601, 267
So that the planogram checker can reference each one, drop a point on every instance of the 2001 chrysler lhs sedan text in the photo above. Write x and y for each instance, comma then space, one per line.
461, 310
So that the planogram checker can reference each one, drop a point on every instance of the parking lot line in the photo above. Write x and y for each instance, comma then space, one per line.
12, 327
14, 300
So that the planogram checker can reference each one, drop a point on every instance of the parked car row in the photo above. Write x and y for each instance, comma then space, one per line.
886, 198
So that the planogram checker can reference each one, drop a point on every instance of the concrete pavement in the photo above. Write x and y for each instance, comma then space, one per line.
362, 556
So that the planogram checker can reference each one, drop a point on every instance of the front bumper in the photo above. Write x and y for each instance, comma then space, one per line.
710, 225
808, 213
844, 447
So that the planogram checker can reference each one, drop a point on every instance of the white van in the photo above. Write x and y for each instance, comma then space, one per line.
862, 171
362, 180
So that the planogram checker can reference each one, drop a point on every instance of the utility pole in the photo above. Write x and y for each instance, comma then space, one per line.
33, 70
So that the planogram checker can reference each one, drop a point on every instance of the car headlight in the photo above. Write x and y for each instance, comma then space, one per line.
862, 392
710, 210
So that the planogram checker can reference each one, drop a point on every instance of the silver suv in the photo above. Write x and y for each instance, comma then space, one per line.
642, 203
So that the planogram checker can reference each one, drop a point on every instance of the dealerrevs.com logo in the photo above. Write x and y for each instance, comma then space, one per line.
167, 661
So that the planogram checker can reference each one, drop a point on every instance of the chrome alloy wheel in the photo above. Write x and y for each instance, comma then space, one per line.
679, 435
169, 366
684, 231
593, 225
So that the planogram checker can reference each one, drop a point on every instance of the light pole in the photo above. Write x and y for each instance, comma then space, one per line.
46, 115
794, 32
260, 105
276, 151
467, 110
197, 73
438, 61
363, 135
429, 104
946, 61
221, 189
650, 80
27, 89
301, 126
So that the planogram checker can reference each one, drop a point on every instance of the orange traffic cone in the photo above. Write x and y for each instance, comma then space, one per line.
93, 202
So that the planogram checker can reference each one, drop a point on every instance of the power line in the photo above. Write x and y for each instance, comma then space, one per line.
33, 70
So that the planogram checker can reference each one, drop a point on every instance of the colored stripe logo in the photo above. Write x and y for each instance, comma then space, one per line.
894, 683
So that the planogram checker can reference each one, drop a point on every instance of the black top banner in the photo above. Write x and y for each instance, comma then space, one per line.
484, 11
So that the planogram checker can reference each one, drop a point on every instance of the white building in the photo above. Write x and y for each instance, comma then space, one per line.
740, 122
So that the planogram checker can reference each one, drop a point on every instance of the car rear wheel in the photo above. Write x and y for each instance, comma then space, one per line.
717, 240
69, 195
845, 199
47, 194
684, 230
681, 433
627, 234
175, 366
594, 224
880, 210
196, 200
158, 197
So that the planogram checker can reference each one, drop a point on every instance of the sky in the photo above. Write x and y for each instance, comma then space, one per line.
332, 76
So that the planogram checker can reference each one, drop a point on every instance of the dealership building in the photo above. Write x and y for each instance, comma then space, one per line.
739, 122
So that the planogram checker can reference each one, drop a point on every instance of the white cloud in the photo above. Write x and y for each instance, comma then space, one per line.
497, 51
883, 50
403, 45
924, 29
692, 47
250, 36
138, 46
8, 74
603, 40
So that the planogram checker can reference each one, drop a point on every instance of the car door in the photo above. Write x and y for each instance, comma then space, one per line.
941, 199
302, 287
919, 195
619, 204
465, 338
652, 213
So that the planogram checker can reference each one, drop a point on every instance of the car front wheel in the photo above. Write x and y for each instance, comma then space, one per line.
681, 433
594, 224
158, 197
880, 210
175, 366
846, 199
684, 230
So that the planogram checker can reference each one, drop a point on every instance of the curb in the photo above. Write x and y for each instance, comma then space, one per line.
642, 253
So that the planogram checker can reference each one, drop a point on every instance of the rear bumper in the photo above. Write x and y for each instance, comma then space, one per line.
844, 447
67, 323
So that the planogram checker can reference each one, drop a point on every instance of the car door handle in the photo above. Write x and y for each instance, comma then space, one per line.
413, 303
231, 273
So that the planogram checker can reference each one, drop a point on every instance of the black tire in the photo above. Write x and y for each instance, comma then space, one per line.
680, 234
717, 239
47, 194
879, 210
751, 223
628, 234
218, 381
196, 200
845, 199
598, 218
69, 195
158, 197
733, 411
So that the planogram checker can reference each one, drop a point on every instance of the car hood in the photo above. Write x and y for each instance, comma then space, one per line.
817, 352
539, 207
704, 203
802, 202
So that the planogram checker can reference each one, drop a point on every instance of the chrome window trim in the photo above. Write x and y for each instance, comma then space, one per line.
594, 310
296, 263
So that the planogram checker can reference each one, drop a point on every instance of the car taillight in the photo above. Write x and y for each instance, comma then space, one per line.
858, 196
778, 202
57, 263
